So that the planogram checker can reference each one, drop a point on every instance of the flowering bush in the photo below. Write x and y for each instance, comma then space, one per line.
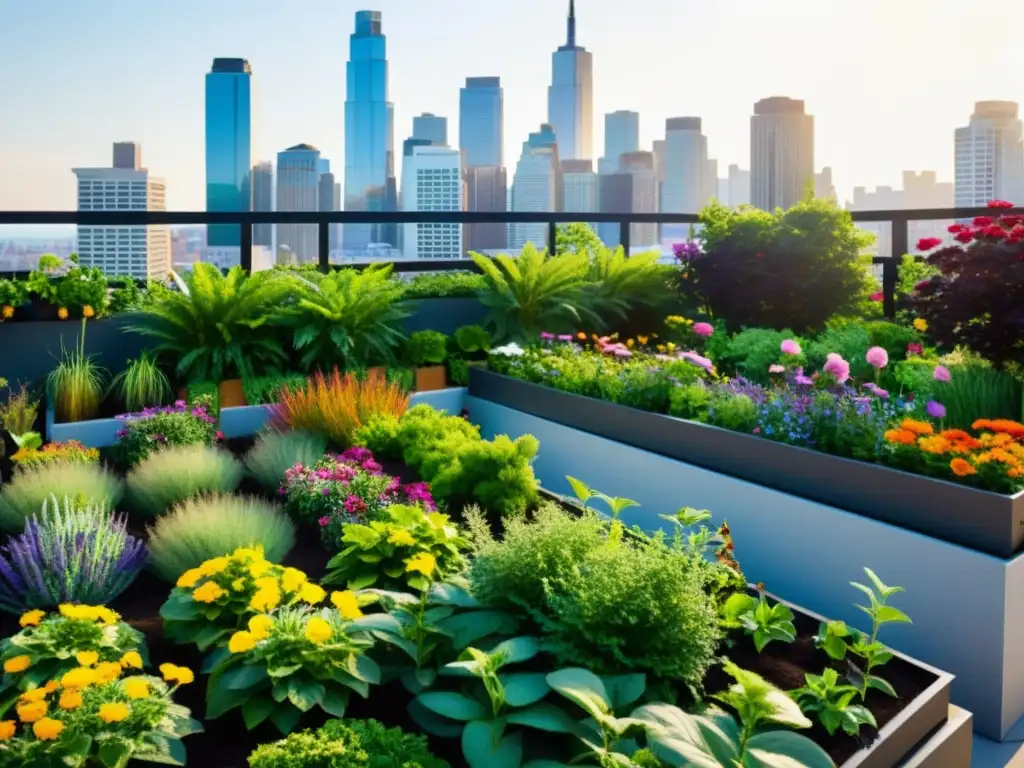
349, 487
291, 661
378, 553
78, 553
95, 715
70, 451
153, 428
50, 644
219, 596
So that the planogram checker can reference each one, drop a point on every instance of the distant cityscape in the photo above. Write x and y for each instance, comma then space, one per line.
556, 169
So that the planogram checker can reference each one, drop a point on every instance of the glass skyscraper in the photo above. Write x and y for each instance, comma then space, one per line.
369, 133
481, 122
228, 145
571, 96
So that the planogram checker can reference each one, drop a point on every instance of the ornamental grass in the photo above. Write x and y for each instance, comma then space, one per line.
179, 472
274, 453
32, 486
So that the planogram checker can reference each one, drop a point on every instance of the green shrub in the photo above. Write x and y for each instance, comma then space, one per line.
892, 337
472, 341
976, 392
261, 390
347, 744
173, 474
732, 411
380, 435
431, 285
427, 348
752, 351
210, 526
82, 484
274, 452
156, 428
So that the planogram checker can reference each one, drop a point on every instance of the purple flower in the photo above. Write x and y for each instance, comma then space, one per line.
356, 455
282, 491
703, 329
545, 336
936, 410
565, 337
372, 467
838, 367
685, 252
622, 352
326, 491
799, 378
941, 373
877, 357
876, 390
790, 347
776, 368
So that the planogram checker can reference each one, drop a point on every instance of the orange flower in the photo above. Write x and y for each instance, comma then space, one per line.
900, 436
1001, 426
582, 336
955, 434
962, 468
934, 444
917, 427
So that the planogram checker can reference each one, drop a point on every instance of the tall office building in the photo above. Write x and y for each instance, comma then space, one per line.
686, 187
739, 186
263, 200
432, 181
369, 133
621, 135
571, 96
535, 187
781, 153
228, 145
990, 156
486, 190
638, 167
824, 188
329, 200
481, 122
431, 127
579, 187
298, 189
142, 253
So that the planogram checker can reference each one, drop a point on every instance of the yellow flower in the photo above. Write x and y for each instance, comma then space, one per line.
33, 694
248, 553
47, 729
292, 579
208, 593
258, 568
921, 324
311, 593
317, 630
31, 618
82, 677
70, 700
87, 658
88, 311
108, 671
7, 312
671, 347
17, 664
32, 711
259, 626
51, 686
241, 642
214, 565
238, 584
265, 600
347, 604
267, 582
114, 712
132, 659
80, 612
106, 615
183, 676
7, 729
423, 563
401, 537
188, 579
135, 687
62, 313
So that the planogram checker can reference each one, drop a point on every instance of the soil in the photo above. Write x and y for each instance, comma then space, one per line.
227, 743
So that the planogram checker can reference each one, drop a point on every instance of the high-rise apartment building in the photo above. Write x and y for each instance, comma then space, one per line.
535, 187
571, 96
369, 133
329, 200
486, 190
228, 146
432, 181
739, 186
481, 122
990, 156
639, 166
781, 153
621, 135
579, 187
686, 187
142, 253
431, 127
920, 190
298, 189
263, 200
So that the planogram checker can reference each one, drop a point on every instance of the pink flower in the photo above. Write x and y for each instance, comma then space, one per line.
838, 367
699, 360
324, 522
220, 435
703, 329
941, 373
877, 357
877, 296
354, 504
565, 337
913, 348
622, 352
547, 336
790, 347
776, 368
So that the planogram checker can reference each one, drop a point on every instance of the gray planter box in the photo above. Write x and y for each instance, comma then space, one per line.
95, 433
985, 521
967, 606
445, 314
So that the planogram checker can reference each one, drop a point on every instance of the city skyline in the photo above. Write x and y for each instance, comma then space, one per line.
639, 61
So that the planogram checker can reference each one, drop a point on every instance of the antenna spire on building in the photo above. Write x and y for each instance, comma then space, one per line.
570, 41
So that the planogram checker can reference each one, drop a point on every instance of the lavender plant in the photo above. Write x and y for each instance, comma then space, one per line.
69, 554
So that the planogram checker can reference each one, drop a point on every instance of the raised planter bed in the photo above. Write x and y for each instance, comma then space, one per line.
444, 314
981, 520
967, 606
95, 433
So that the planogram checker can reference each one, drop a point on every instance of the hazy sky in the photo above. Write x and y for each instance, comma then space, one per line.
886, 80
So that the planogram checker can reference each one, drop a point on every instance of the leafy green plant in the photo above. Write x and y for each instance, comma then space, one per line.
472, 340
126, 297
179, 472
18, 415
215, 326
585, 493
379, 552
432, 285
82, 291
841, 642
832, 703
202, 528
154, 428
32, 486
142, 383
978, 392
763, 622
427, 348
752, 351
274, 453
13, 294
262, 390
576, 237
620, 285
43, 281
350, 318
76, 385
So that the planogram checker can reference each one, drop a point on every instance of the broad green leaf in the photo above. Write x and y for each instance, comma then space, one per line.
484, 746
451, 594
113, 753
220, 699
285, 718
583, 687
517, 650
581, 489
256, 710
543, 716
452, 705
383, 622
784, 749
305, 695
468, 628
624, 690
524, 688
335, 702
433, 723
886, 614
243, 677
179, 607
880, 684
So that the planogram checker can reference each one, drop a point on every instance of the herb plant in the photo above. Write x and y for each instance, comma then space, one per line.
433, 285
142, 383
763, 622
832, 703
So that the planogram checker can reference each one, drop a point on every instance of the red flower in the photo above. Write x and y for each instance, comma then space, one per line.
994, 230
954, 228
927, 243
914, 349
998, 204
877, 296
1013, 240
983, 221
963, 236
1017, 231
922, 284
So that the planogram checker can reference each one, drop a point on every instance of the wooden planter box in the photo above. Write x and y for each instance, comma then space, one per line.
981, 520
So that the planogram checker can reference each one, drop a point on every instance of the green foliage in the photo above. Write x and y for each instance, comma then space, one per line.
142, 383
146, 432
979, 392
75, 386
752, 351
199, 529
274, 452
832, 703
472, 340
427, 348
380, 435
18, 414
433, 285
175, 473
912, 271
763, 622
577, 237
82, 287
28, 490
264, 390
788, 269
735, 412
350, 318
621, 285
13, 293
347, 744
126, 297
216, 326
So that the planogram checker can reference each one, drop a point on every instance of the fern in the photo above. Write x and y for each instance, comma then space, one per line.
619, 284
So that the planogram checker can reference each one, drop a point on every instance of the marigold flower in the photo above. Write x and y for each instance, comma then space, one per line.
241, 642
423, 563
347, 604
208, 592
47, 729
132, 659
265, 600
105, 615
259, 626
174, 674
7, 729
311, 593
7, 312
642, 339
917, 427
33, 694
188, 579
900, 436
17, 664
258, 568
962, 467
114, 712
71, 699
51, 686
292, 579
31, 711
920, 324
62, 313
82, 677
318, 630
88, 311
87, 658
136, 688
935, 444
214, 565
401, 537
582, 336
31, 618
108, 672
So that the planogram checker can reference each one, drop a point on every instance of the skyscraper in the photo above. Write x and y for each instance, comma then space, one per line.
432, 181
481, 122
329, 199
535, 187
486, 190
643, 174
369, 132
579, 186
571, 96
781, 153
621, 135
431, 127
298, 189
686, 188
990, 156
263, 200
739, 186
228, 145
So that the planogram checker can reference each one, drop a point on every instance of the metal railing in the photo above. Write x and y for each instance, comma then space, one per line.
898, 219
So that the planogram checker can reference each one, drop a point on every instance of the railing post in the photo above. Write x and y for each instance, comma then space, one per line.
323, 247
552, 237
624, 236
890, 269
245, 243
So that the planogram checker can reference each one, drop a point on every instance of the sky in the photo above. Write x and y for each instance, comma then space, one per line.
886, 80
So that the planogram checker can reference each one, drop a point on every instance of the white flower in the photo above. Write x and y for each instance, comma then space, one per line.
509, 350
